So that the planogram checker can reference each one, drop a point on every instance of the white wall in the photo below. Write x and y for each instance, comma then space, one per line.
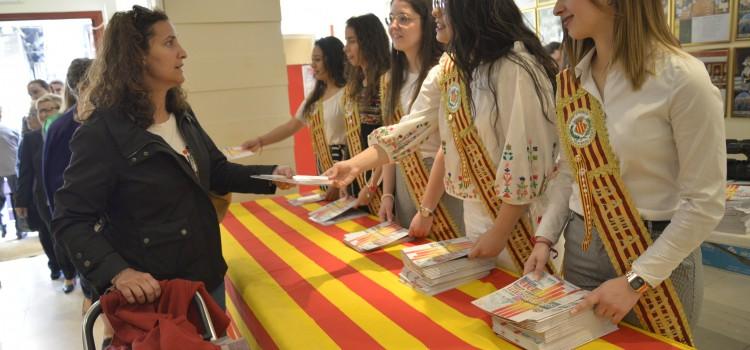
316, 17
236, 71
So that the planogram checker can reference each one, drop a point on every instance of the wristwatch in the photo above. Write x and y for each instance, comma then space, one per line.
636, 282
425, 212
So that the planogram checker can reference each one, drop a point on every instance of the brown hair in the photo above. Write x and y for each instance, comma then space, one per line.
373, 49
115, 79
639, 26
429, 54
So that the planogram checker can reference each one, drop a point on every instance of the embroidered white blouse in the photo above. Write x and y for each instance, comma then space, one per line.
333, 118
669, 140
431, 144
519, 137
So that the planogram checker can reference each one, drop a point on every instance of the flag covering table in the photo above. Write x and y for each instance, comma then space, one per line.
293, 284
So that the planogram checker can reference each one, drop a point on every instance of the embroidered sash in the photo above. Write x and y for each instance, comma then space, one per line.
317, 130
476, 164
416, 173
354, 142
608, 205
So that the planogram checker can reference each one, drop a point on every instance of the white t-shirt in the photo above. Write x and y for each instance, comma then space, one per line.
171, 135
333, 118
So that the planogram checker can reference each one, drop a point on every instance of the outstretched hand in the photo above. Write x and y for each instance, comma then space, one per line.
343, 173
285, 171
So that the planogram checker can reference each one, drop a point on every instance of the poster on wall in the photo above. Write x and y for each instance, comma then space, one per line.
701, 21
530, 18
550, 27
741, 92
525, 4
743, 20
717, 65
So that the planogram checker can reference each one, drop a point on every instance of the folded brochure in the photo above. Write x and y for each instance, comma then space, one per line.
236, 152
376, 237
330, 211
308, 180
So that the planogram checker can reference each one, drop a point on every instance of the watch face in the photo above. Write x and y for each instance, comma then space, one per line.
637, 283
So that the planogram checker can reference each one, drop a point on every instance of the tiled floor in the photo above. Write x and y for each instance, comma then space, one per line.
35, 314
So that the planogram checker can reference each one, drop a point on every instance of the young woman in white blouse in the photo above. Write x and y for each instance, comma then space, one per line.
322, 110
415, 51
499, 79
643, 166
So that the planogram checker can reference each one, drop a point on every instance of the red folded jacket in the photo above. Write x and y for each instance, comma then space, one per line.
171, 323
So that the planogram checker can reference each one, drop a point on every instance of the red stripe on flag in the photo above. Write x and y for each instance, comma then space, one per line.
628, 338
454, 298
414, 322
335, 323
253, 324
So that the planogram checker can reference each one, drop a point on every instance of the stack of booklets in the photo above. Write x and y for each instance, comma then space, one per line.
439, 266
378, 236
535, 314
337, 211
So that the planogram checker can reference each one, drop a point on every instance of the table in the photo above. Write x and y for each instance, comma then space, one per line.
292, 284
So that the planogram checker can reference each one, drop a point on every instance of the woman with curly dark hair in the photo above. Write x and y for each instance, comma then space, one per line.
135, 205
322, 110
367, 51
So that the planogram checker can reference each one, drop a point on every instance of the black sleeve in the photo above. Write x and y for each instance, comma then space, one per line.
81, 202
232, 177
24, 192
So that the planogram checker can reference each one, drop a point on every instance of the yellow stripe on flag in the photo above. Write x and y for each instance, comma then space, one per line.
279, 307
470, 330
241, 326
381, 328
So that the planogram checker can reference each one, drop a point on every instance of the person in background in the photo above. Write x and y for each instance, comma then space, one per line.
554, 49
135, 207
415, 51
366, 50
642, 173
36, 89
322, 111
31, 202
56, 87
8, 155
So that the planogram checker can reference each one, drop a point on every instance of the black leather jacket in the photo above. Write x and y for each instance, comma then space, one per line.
130, 200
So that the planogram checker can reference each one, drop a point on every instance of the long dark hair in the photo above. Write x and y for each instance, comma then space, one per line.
76, 72
485, 31
333, 61
372, 41
429, 54
116, 76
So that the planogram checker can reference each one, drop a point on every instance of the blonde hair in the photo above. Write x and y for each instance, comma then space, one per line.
640, 26
56, 99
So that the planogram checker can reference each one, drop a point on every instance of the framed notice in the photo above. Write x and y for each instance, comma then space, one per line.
525, 4
741, 88
743, 20
702, 21
717, 65
550, 27
529, 16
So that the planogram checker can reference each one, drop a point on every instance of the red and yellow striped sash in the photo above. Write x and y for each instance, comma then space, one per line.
476, 165
320, 146
353, 141
416, 173
608, 205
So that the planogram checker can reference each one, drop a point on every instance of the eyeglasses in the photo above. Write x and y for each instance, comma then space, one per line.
400, 19
438, 4
49, 110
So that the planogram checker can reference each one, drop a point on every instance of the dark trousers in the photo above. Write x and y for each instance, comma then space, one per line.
58, 256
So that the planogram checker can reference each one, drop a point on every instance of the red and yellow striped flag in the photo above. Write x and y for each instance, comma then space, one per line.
293, 284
